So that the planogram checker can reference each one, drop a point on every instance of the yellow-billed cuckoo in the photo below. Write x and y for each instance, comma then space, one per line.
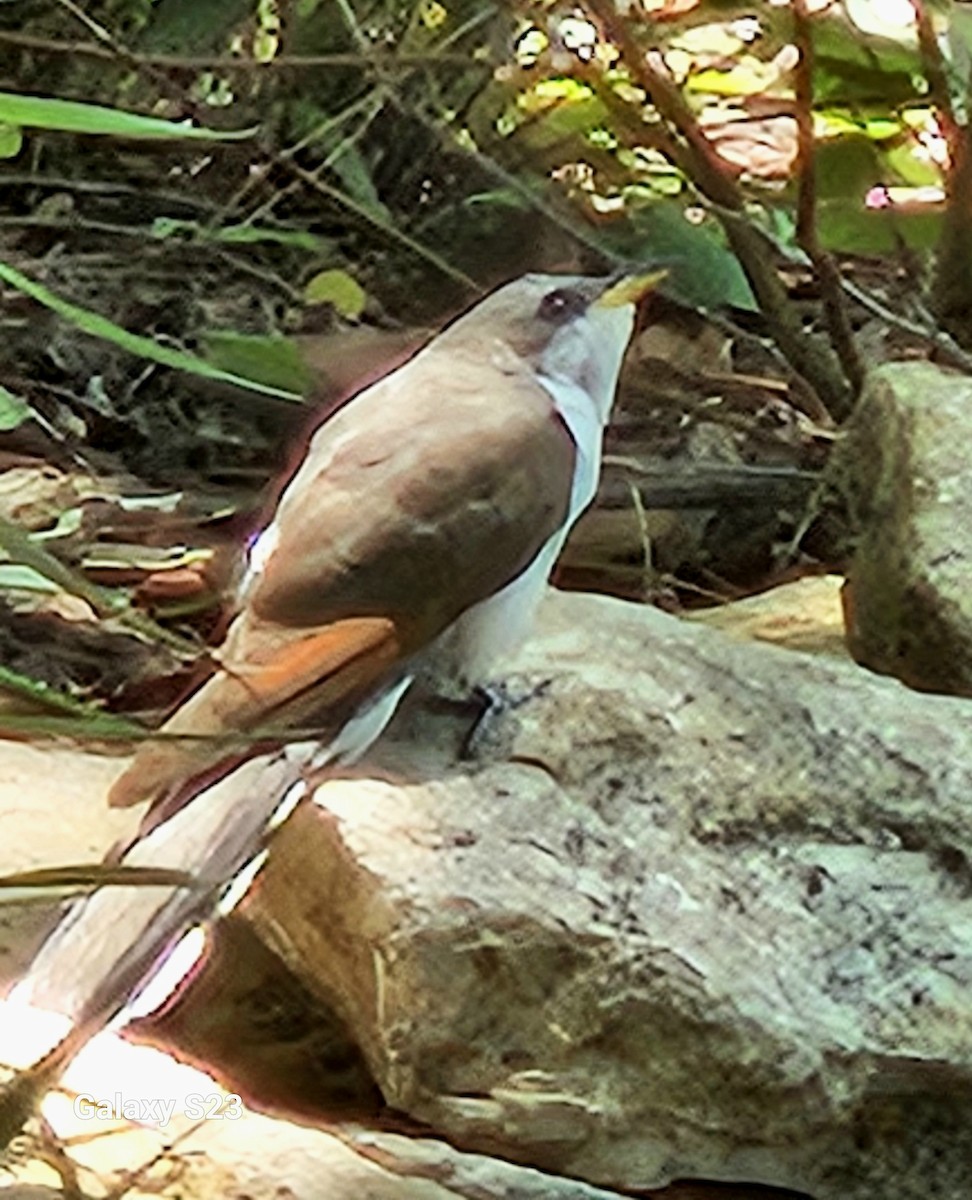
418, 532
420, 528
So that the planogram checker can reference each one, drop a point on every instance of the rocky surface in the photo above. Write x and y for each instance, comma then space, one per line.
699, 910
696, 908
904, 471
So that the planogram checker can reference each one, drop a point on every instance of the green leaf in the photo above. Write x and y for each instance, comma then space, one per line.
67, 525
847, 167
907, 167
14, 410
847, 227
337, 288
499, 198
11, 140
15, 577
98, 326
704, 271
747, 78
858, 70
350, 167
300, 239
272, 361
568, 123
71, 116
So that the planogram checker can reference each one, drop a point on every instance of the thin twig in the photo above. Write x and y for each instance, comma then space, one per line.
948, 350
952, 285
260, 174
828, 275
224, 62
368, 111
379, 222
113, 48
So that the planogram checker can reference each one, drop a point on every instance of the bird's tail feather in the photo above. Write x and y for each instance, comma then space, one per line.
265, 685
111, 943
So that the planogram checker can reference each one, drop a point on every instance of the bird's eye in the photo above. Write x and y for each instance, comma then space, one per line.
561, 305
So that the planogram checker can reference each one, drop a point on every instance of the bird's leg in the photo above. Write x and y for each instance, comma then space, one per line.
493, 701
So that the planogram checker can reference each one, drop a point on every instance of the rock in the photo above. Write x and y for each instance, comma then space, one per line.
236, 1153
803, 615
698, 909
905, 472
53, 814
702, 912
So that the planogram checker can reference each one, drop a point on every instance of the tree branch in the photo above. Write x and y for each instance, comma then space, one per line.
810, 358
826, 270
225, 62
952, 285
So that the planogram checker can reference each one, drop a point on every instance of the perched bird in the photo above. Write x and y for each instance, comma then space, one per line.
417, 535
419, 530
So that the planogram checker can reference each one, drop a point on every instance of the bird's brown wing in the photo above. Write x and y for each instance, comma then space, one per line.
428, 493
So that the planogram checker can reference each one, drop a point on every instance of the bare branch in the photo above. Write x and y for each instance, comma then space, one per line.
809, 358
826, 270
225, 62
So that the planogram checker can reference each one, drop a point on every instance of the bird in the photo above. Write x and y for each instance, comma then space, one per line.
417, 534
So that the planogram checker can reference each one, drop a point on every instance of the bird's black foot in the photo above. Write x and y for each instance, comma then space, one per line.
493, 700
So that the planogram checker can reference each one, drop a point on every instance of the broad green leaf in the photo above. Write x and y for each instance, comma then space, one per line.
847, 167
564, 121
271, 361
339, 289
11, 140
856, 70
71, 116
907, 167
848, 227
703, 271
98, 326
13, 410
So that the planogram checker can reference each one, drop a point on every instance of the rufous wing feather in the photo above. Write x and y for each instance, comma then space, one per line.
284, 675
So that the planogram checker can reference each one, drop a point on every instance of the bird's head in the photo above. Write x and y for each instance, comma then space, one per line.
568, 328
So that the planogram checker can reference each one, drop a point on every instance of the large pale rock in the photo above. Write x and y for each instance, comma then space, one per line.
701, 909
52, 814
905, 472
235, 1153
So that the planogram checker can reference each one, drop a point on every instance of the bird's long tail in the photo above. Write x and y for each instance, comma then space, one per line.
111, 943
269, 679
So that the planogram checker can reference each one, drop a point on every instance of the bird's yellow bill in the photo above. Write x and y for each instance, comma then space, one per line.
630, 290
